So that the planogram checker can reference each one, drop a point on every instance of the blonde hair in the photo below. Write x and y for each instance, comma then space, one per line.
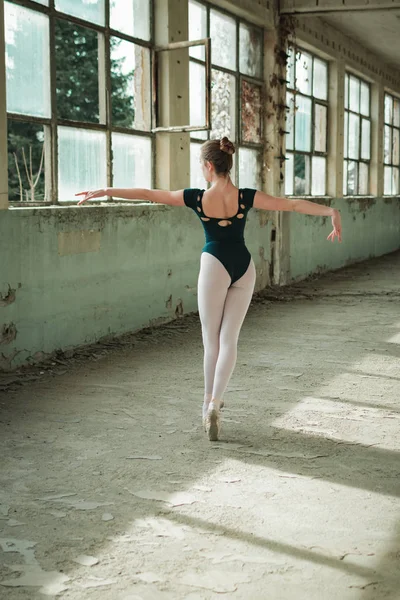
219, 153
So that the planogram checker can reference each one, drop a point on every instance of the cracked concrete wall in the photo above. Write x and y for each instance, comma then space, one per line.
74, 275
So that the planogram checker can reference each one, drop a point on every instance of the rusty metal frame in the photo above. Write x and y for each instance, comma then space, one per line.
206, 42
105, 121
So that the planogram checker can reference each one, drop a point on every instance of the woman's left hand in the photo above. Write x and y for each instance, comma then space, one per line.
337, 227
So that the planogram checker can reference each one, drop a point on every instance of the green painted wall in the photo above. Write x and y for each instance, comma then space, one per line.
371, 227
142, 271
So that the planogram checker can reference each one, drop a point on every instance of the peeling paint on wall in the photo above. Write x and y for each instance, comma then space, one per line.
179, 309
8, 298
8, 333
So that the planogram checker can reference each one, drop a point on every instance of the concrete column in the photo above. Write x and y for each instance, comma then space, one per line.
377, 150
336, 129
173, 149
3, 118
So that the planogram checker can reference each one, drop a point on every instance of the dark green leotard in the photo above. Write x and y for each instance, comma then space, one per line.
225, 237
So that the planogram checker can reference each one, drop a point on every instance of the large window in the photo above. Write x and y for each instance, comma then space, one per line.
357, 136
236, 90
78, 97
391, 146
307, 123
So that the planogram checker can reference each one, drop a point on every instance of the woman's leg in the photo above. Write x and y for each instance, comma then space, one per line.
237, 303
213, 286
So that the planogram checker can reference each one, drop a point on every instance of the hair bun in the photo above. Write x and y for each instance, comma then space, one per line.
227, 146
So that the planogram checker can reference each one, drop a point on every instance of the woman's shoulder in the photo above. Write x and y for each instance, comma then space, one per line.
191, 195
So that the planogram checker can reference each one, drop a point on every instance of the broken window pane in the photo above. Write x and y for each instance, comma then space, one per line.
196, 176
223, 104
364, 108
132, 163
352, 178
27, 61
387, 186
354, 136
388, 109
354, 94
131, 17
363, 187
303, 124
26, 155
223, 40
197, 91
130, 85
303, 72
365, 139
290, 74
197, 28
249, 168
250, 50
320, 127
251, 112
81, 161
396, 181
301, 175
396, 113
77, 72
320, 79
345, 178
346, 91
289, 174
346, 135
395, 147
90, 10
290, 101
388, 145
318, 183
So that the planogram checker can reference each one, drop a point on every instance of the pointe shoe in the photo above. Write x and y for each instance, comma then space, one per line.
212, 422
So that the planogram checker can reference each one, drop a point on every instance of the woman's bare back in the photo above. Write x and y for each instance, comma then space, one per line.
221, 202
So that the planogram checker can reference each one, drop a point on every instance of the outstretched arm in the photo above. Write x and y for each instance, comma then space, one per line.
266, 202
159, 196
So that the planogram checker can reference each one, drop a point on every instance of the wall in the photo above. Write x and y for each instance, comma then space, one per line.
371, 227
73, 275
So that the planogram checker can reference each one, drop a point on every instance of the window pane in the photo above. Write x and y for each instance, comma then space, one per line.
352, 178
250, 50
196, 176
345, 178
290, 75
223, 104
363, 179
251, 112
81, 161
249, 168
44, 2
354, 94
197, 28
388, 145
346, 91
364, 108
304, 73
131, 161
77, 72
321, 115
395, 146
320, 79
396, 113
365, 139
130, 85
197, 91
289, 175
90, 10
290, 122
354, 136
396, 181
223, 36
131, 17
27, 61
303, 124
318, 183
301, 175
387, 187
346, 135
26, 146
388, 109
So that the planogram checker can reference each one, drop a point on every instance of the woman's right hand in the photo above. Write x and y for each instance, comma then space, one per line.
337, 227
91, 195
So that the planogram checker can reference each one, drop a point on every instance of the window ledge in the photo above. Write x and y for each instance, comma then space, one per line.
114, 206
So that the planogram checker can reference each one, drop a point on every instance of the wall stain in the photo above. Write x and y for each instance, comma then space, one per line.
179, 309
168, 303
8, 333
8, 298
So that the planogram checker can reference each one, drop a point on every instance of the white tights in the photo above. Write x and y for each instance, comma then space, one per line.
222, 309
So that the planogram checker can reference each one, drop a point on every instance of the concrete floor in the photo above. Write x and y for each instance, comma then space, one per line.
110, 489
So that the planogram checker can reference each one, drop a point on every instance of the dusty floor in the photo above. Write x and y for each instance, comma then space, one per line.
110, 490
